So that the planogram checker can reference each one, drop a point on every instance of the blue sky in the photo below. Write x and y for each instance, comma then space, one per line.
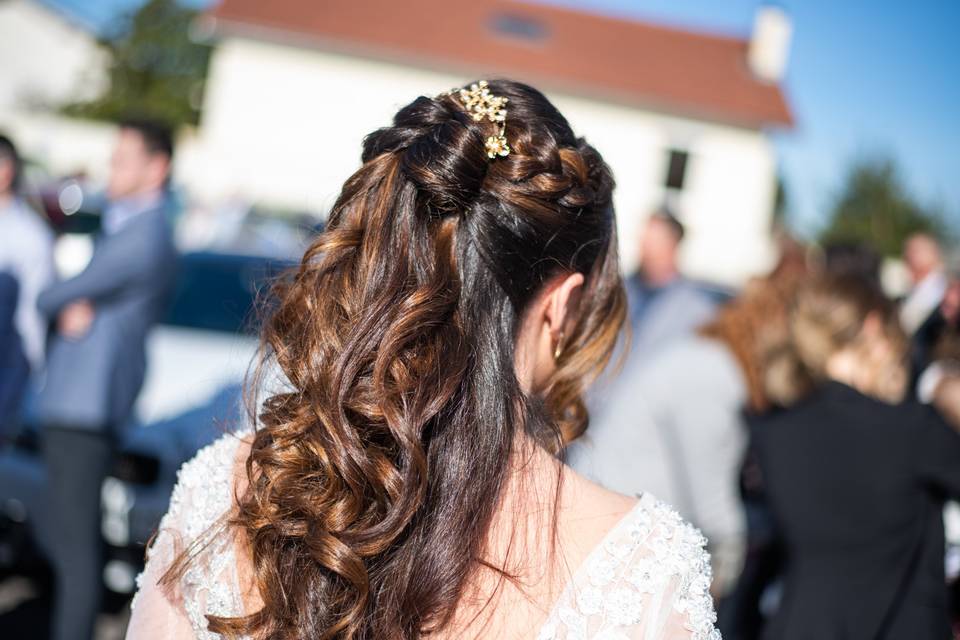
865, 76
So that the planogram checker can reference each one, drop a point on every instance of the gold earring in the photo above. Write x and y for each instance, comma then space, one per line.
559, 348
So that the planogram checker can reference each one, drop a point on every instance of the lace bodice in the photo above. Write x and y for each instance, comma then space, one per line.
648, 579
202, 495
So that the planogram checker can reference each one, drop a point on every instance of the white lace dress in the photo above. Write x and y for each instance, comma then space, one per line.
648, 579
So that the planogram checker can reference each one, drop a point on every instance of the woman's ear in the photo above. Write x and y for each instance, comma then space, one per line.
873, 326
562, 304
545, 326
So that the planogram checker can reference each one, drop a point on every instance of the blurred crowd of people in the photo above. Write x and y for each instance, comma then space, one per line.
83, 340
808, 425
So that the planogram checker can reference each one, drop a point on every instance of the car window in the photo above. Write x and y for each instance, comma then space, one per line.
220, 292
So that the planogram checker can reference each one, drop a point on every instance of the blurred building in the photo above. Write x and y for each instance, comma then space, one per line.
49, 57
681, 117
294, 85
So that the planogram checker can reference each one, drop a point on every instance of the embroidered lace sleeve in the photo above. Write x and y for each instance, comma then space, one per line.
649, 580
202, 495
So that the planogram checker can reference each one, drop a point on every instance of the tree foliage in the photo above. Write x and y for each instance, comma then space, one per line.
156, 70
875, 207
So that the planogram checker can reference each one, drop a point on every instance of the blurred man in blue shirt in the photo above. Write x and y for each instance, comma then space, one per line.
662, 304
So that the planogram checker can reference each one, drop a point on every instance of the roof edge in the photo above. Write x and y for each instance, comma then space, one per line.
222, 28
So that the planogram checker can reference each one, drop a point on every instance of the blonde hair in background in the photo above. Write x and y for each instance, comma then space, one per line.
753, 325
828, 317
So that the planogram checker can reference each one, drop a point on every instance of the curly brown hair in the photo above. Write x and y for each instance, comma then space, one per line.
375, 473
753, 325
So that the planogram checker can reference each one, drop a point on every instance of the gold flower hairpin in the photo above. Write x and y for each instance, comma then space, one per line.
480, 103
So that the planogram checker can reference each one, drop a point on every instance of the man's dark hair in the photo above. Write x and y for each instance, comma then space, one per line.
9, 151
853, 258
157, 136
664, 214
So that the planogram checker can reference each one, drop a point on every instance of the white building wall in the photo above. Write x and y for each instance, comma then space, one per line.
727, 200
62, 146
44, 59
284, 125
729, 205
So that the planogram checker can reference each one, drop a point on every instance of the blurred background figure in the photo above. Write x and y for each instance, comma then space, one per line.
662, 304
939, 384
853, 258
26, 252
676, 427
855, 478
14, 369
937, 380
97, 361
920, 312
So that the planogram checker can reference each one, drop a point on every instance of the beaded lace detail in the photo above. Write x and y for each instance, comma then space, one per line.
203, 493
648, 580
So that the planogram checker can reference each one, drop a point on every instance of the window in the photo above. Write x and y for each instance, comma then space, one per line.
518, 27
676, 169
219, 291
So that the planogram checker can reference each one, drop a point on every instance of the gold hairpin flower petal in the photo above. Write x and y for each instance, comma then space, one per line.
480, 104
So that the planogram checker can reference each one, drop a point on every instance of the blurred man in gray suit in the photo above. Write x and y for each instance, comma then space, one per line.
662, 304
96, 360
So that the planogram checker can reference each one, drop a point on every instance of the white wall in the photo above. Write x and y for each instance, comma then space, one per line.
45, 60
284, 125
727, 199
62, 146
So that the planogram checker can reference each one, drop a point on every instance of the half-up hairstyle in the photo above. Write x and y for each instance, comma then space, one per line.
374, 475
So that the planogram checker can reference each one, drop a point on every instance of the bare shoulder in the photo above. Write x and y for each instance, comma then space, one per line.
597, 512
590, 511
592, 500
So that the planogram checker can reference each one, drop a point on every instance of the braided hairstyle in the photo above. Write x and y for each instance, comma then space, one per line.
374, 474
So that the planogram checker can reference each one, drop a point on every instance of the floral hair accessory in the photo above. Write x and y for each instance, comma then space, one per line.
480, 104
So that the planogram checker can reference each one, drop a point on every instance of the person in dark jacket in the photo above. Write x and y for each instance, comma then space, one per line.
856, 479
921, 310
96, 361
14, 368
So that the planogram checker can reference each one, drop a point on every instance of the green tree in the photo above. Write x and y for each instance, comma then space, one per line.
156, 69
875, 207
